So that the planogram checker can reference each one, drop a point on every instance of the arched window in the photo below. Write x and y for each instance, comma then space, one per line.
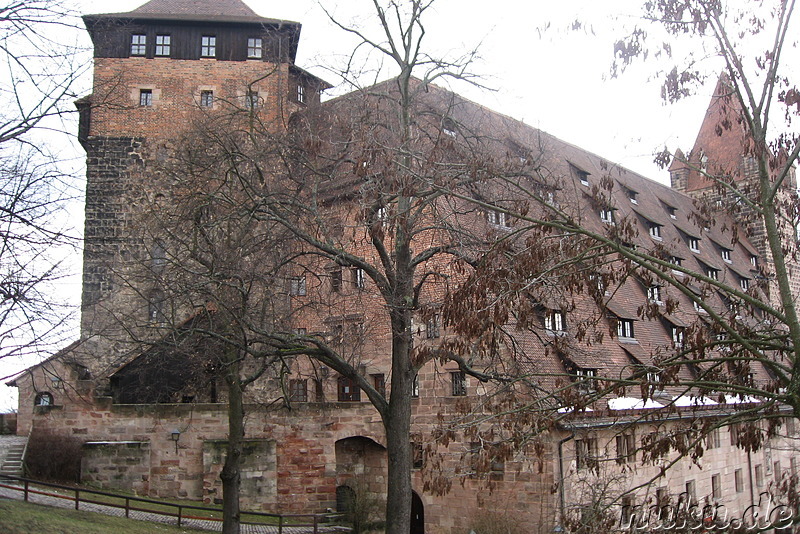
43, 399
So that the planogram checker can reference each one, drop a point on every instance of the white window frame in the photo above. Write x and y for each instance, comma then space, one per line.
208, 46
301, 93
744, 283
297, 286
607, 215
145, 98
712, 273
726, 255
255, 48
654, 294
654, 230
694, 244
207, 98
498, 218
163, 45
678, 335
139, 44
555, 321
625, 328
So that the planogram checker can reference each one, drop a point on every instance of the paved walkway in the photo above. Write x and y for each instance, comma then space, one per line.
156, 518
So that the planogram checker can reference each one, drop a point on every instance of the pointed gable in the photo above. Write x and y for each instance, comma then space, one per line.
722, 139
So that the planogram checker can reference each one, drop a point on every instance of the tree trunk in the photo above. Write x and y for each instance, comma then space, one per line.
231, 475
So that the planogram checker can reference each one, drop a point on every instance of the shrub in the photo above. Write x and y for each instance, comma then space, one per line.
53, 456
485, 521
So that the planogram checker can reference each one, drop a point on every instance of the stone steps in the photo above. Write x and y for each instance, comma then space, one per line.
11, 463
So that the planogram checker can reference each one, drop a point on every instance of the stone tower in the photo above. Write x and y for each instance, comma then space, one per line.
156, 69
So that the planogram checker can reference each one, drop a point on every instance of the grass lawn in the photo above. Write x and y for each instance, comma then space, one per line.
18, 517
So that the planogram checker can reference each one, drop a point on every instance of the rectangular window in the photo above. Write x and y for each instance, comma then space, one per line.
379, 383
336, 280
676, 261
145, 98
458, 384
586, 380
415, 387
297, 286
654, 294
207, 99
155, 309
208, 46
632, 196
694, 244
138, 44
251, 100
301, 93
163, 45
358, 278
759, 475
418, 458
691, 492
299, 331
254, 48
432, 330
713, 439
585, 453
581, 175
744, 283
449, 127
726, 255
298, 390
673, 212
776, 471
677, 336
348, 390
607, 216
738, 481
497, 218
626, 448
716, 487
555, 321
655, 230
712, 273
753, 260
625, 328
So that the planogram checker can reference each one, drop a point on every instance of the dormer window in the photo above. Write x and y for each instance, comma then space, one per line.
694, 244
712, 273
138, 44
676, 261
498, 218
163, 45
726, 255
632, 196
654, 230
654, 294
607, 215
301, 93
586, 379
208, 46
555, 321
678, 334
625, 328
753, 260
581, 175
672, 212
255, 48
744, 283
449, 127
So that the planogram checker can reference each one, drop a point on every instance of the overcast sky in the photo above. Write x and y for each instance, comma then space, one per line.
553, 79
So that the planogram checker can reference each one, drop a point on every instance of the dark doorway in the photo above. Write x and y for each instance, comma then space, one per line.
417, 515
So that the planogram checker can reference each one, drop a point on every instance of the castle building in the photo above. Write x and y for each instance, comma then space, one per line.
152, 419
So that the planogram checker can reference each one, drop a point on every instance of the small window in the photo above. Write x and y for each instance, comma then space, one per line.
607, 216
359, 281
654, 294
555, 321
297, 286
753, 260
379, 383
207, 99
678, 334
672, 212
694, 244
146, 98
626, 448
251, 100
138, 44
655, 230
726, 255
712, 273
586, 379
418, 461
155, 308
676, 261
298, 390
625, 328
301, 93
158, 257
698, 307
458, 383
691, 492
348, 390
759, 474
432, 329
632, 196
738, 481
415, 387
43, 399
744, 283
498, 218
585, 453
336, 280
713, 439
581, 175
716, 487
255, 47
208, 46
449, 127
299, 331
163, 45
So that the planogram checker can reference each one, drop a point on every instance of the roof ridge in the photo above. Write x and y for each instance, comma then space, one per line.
235, 8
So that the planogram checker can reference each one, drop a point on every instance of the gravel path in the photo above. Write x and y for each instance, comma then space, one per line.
156, 518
